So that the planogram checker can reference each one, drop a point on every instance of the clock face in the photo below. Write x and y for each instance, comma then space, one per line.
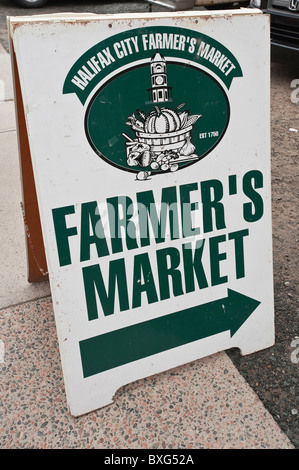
159, 80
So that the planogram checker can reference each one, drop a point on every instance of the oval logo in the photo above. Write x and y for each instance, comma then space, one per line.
156, 117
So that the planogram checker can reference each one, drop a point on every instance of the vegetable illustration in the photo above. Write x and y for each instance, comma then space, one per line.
187, 148
161, 121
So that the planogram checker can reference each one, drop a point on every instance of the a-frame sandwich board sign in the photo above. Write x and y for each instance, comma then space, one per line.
149, 140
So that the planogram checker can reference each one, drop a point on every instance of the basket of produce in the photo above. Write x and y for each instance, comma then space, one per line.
163, 139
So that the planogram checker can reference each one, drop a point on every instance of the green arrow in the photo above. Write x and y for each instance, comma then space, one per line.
119, 347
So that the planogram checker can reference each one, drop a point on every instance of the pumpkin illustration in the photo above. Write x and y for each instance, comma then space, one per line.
162, 121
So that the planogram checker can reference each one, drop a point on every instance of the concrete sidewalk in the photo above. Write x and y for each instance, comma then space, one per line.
204, 404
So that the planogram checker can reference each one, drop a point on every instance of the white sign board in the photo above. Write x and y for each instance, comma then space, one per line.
150, 144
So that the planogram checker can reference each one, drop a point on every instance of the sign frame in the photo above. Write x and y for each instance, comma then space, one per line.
171, 299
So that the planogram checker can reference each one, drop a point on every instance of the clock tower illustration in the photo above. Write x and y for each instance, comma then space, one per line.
159, 92
163, 136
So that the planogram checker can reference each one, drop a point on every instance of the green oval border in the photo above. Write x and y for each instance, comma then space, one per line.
155, 172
